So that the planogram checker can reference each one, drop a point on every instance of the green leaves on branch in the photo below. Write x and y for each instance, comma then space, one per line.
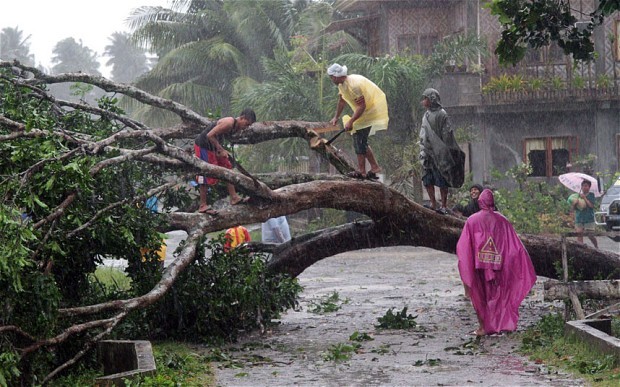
535, 24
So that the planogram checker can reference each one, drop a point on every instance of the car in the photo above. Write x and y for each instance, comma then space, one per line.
609, 214
610, 195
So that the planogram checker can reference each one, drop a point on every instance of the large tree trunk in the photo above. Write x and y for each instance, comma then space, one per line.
601, 290
393, 218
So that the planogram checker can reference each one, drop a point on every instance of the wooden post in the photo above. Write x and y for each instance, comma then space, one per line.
571, 292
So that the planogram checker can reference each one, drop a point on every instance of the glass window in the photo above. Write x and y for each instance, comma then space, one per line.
549, 156
417, 44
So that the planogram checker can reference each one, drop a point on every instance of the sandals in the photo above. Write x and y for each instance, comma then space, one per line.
358, 175
355, 175
240, 201
442, 210
208, 210
372, 175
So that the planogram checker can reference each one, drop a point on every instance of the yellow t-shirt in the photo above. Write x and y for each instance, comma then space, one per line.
376, 113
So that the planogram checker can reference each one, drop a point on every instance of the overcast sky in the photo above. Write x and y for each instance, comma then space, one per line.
50, 21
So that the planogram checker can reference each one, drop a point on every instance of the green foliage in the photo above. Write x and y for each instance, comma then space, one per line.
15, 46
546, 211
429, 362
8, 368
547, 330
604, 81
329, 304
71, 56
363, 336
50, 249
215, 298
341, 351
177, 365
109, 278
536, 24
546, 343
457, 50
400, 320
615, 326
505, 82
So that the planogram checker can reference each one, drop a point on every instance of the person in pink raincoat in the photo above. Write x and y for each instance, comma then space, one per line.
495, 268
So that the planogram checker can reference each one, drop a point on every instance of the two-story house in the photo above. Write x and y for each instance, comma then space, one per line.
547, 110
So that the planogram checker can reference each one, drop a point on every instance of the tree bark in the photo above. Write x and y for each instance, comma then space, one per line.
597, 290
393, 218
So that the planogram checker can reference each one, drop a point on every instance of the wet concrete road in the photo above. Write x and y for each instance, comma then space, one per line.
441, 352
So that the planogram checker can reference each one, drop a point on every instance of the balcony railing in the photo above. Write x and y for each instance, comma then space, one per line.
550, 95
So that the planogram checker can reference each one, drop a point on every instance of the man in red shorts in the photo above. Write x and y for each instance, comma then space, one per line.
208, 147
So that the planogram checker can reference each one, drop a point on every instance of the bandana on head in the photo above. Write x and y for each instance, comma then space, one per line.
336, 70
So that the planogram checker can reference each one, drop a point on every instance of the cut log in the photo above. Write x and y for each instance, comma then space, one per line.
597, 290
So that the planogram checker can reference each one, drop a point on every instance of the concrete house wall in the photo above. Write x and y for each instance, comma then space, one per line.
503, 123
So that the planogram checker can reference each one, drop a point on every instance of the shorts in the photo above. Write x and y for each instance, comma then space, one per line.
360, 140
433, 177
591, 226
211, 158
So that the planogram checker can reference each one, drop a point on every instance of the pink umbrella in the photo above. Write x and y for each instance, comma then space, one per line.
573, 180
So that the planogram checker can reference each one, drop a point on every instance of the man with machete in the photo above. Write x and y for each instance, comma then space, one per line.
208, 147
370, 114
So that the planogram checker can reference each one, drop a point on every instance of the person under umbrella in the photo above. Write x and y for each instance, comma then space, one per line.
582, 204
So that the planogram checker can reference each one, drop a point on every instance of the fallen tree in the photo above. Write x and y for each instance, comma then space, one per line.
74, 198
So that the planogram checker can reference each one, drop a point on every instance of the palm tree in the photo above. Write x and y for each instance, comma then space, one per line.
295, 85
205, 45
13, 46
291, 93
128, 61
71, 56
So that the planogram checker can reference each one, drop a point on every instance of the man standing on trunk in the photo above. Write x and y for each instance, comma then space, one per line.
442, 159
370, 114
208, 146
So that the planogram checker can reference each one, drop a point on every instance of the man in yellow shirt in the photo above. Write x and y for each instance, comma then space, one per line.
370, 114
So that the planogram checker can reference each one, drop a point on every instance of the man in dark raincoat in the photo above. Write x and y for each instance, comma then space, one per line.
442, 159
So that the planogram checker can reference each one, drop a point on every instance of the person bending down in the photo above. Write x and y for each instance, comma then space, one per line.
370, 114
208, 147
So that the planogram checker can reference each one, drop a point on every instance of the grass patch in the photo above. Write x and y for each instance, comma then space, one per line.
615, 326
545, 343
177, 365
111, 278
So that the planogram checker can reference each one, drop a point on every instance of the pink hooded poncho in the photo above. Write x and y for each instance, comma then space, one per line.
495, 266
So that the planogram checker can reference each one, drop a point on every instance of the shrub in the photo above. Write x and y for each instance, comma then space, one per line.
217, 297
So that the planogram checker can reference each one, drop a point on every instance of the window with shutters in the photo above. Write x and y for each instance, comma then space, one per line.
549, 156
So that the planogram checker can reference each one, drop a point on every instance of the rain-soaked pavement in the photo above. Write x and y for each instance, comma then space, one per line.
440, 352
